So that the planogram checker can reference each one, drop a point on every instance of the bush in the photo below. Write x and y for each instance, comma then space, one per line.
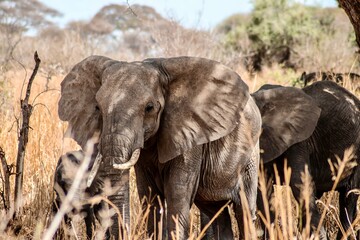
273, 29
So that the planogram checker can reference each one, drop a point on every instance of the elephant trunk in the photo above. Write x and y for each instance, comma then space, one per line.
113, 149
119, 180
120, 150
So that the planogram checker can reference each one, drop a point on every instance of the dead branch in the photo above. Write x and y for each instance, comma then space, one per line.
5, 176
26, 110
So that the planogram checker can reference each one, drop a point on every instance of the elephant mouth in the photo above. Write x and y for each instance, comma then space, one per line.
121, 166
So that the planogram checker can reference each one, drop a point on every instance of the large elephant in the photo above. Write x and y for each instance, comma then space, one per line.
189, 125
337, 128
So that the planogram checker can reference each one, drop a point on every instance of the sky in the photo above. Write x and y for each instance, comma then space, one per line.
202, 14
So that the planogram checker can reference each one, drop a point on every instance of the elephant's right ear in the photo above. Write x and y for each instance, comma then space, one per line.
288, 116
77, 104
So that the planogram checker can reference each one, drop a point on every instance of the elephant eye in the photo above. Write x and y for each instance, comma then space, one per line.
97, 108
149, 107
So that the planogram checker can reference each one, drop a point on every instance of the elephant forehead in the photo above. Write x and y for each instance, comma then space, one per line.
130, 74
128, 84
115, 99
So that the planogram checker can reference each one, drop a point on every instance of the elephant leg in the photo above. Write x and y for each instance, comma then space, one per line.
180, 186
248, 189
298, 158
250, 197
221, 226
151, 197
314, 211
315, 215
261, 208
204, 220
348, 204
156, 216
89, 221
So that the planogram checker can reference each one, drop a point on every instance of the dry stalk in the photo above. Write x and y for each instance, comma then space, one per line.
249, 226
141, 221
176, 235
203, 231
289, 219
120, 219
305, 200
161, 218
280, 206
343, 166
351, 228
263, 189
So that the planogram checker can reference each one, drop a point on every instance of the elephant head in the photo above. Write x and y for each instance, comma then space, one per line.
288, 115
170, 105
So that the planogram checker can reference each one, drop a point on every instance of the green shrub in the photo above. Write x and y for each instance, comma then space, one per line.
274, 28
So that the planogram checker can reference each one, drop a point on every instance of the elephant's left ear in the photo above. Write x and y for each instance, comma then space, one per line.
288, 116
203, 102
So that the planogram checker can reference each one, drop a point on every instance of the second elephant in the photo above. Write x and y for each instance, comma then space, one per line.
336, 129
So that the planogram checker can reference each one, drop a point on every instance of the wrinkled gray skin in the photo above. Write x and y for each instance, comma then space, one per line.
337, 129
64, 176
194, 121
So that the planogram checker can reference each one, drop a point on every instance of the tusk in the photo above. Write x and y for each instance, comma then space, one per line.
94, 169
134, 158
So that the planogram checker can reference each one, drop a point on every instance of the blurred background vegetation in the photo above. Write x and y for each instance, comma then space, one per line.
282, 32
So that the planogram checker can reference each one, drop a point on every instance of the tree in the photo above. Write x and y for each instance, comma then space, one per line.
122, 17
352, 9
17, 17
273, 32
276, 26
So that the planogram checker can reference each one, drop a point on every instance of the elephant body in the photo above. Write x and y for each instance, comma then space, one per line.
344, 79
65, 171
219, 170
337, 129
188, 125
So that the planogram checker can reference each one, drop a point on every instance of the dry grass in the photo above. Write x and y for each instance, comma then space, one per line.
46, 142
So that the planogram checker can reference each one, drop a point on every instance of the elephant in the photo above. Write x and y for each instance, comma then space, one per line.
65, 171
336, 128
188, 125
353, 78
